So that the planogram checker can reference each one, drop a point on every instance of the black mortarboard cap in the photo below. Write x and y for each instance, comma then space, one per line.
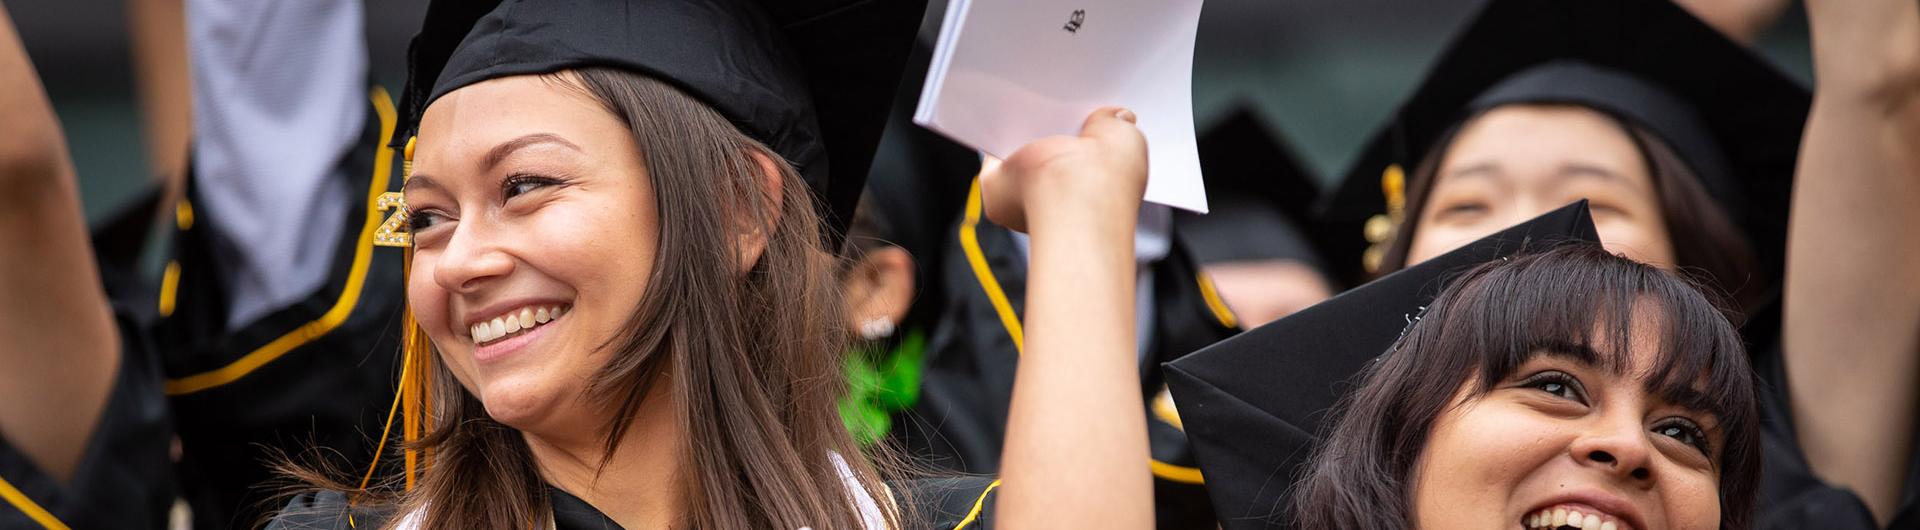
772, 67
1732, 117
1254, 404
1261, 195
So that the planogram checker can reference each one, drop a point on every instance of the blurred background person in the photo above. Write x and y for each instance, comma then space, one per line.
1259, 241
278, 315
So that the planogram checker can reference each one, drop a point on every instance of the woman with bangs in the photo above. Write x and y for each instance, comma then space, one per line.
1566, 389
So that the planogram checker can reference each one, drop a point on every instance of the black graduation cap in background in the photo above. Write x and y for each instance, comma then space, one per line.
1254, 404
1261, 195
1732, 117
775, 68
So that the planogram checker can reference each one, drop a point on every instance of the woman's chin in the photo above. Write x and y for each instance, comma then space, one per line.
520, 405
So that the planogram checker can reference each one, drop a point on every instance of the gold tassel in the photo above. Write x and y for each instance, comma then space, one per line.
416, 390
413, 397
1380, 228
416, 378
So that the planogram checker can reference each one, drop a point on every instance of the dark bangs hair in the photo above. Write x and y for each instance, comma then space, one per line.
1707, 246
1575, 299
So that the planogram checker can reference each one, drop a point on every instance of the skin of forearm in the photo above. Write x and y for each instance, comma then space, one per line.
159, 35
1079, 328
61, 349
33, 149
1852, 331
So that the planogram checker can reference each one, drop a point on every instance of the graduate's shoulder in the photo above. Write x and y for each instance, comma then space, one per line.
947, 503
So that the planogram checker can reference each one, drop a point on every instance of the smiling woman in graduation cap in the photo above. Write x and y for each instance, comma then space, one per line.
622, 297
1527, 379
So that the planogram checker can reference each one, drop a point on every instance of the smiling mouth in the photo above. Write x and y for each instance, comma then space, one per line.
1561, 517
514, 322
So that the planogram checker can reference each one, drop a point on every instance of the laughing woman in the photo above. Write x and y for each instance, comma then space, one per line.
629, 292
1571, 388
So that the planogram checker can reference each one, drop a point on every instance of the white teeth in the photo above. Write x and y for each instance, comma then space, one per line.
1562, 517
513, 322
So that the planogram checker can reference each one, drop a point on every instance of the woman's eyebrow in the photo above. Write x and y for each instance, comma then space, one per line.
416, 182
500, 152
1570, 351
1684, 397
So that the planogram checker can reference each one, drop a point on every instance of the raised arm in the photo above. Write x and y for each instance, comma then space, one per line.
60, 348
1076, 449
1853, 264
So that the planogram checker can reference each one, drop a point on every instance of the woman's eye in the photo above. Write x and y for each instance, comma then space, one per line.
1685, 432
518, 185
1463, 208
1559, 384
1601, 208
418, 221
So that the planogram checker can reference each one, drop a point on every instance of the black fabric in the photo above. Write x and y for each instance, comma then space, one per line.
773, 68
1791, 496
959, 424
326, 398
929, 504
1746, 108
125, 477
947, 502
1629, 98
1253, 404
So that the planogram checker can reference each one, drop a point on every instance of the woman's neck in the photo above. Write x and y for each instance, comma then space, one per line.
638, 487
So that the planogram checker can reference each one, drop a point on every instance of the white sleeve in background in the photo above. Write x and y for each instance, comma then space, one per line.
279, 99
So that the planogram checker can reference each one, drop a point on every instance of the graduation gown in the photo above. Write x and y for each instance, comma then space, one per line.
1791, 496
958, 503
314, 378
967, 385
124, 479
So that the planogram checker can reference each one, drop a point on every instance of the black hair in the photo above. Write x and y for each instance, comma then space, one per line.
1492, 319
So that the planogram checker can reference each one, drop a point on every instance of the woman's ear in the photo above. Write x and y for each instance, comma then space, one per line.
879, 290
751, 230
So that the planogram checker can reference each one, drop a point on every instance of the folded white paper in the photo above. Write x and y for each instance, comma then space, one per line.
1008, 72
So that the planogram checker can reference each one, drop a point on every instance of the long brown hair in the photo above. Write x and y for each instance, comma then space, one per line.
1484, 326
754, 359
1707, 246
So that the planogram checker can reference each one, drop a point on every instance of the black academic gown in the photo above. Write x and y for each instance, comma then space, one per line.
967, 386
312, 379
961, 503
124, 479
1791, 496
